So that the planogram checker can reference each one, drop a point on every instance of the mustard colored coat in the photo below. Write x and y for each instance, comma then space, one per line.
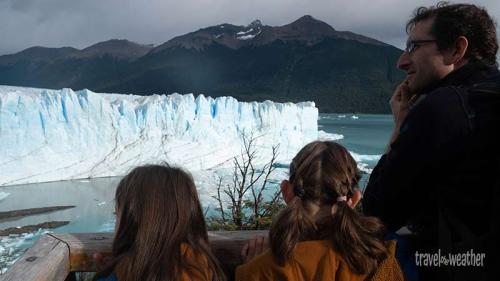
315, 261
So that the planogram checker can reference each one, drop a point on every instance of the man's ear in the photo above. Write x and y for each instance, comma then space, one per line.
456, 52
287, 191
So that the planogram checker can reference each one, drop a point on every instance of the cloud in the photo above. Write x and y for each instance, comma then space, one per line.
57, 23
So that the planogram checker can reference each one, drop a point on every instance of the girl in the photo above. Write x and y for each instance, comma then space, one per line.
319, 236
160, 229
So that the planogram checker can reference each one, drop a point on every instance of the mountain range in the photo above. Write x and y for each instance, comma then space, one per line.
305, 60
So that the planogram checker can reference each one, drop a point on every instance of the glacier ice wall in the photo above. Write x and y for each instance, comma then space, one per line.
49, 135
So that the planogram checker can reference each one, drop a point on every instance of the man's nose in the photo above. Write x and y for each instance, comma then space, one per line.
404, 61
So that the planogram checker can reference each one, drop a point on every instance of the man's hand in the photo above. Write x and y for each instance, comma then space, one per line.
254, 247
401, 102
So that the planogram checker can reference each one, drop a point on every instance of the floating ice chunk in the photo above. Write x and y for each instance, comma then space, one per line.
322, 135
363, 167
101, 203
11, 248
363, 158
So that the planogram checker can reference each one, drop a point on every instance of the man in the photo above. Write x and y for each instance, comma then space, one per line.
439, 173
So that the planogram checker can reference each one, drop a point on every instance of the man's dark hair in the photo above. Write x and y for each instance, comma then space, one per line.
453, 21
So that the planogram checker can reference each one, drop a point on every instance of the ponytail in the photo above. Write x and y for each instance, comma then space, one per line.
357, 238
292, 225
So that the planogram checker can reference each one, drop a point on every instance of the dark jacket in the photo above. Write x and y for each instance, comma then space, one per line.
442, 168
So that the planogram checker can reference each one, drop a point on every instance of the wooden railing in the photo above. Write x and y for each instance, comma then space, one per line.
55, 256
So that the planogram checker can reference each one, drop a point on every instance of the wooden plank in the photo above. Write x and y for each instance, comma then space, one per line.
84, 247
226, 245
54, 256
47, 260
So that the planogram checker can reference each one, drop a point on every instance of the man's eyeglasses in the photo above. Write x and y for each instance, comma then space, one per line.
412, 45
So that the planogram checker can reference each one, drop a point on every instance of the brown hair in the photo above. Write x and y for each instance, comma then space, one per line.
157, 211
453, 21
320, 173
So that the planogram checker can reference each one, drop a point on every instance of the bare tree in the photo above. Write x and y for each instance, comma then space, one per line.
247, 212
261, 208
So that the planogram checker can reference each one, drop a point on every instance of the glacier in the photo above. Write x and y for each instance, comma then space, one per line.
52, 135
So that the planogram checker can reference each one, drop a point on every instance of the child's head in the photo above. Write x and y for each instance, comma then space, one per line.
323, 172
322, 178
154, 201
157, 210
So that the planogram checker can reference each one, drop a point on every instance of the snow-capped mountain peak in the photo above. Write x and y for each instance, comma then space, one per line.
250, 31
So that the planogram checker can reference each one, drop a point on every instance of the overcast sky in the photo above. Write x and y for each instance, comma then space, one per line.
81, 23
